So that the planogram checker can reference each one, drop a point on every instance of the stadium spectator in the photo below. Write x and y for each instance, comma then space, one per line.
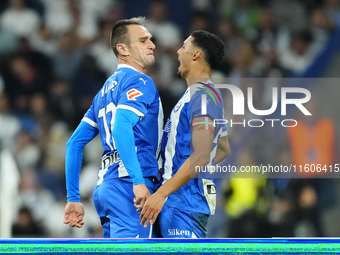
289, 14
20, 19
44, 41
300, 54
101, 49
268, 35
167, 35
27, 152
320, 27
64, 106
25, 79
332, 10
26, 225
314, 142
245, 14
68, 57
8, 40
10, 124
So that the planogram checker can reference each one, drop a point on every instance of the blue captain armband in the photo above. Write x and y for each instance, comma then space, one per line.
124, 138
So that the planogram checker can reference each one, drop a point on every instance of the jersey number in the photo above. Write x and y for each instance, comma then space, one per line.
108, 134
108, 128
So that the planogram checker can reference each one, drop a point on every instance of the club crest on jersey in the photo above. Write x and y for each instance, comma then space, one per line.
133, 93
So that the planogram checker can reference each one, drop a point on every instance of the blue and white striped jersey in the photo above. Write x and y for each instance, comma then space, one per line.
198, 195
128, 89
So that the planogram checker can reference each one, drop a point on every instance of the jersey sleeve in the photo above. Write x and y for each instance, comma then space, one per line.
214, 109
90, 118
74, 156
137, 95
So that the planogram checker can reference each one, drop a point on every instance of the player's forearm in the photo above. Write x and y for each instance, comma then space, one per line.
74, 156
72, 171
125, 143
223, 150
183, 175
221, 154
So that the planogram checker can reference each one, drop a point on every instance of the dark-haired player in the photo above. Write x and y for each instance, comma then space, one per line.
191, 139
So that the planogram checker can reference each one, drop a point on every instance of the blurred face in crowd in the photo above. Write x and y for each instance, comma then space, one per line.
21, 68
17, 4
67, 42
141, 47
267, 19
3, 103
158, 11
300, 46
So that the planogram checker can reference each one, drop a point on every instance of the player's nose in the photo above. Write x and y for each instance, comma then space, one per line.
152, 45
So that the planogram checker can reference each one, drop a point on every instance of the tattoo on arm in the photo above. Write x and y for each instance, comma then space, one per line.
220, 149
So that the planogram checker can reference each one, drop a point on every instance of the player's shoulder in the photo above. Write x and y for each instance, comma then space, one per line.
133, 76
142, 78
204, 93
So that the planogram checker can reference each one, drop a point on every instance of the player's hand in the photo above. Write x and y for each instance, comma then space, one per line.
74, 214
152, 208
141, 195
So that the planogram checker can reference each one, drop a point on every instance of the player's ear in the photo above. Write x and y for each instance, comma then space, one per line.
196, 55
122, 49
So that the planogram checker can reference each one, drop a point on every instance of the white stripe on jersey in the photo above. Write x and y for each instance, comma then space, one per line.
160, 132
89, 121
126, 107
150, 233
122, 172
171, 144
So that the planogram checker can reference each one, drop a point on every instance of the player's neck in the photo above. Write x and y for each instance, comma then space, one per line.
198, 74
128, 61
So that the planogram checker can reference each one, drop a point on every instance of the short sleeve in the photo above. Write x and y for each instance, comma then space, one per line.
212, 109
137, 95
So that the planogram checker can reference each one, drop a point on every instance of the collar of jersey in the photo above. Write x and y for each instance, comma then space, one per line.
199, 85
126, 66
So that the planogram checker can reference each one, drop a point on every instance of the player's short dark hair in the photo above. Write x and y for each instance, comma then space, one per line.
211, 45
119, 31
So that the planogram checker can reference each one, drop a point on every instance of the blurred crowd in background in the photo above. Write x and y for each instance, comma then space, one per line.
55, 55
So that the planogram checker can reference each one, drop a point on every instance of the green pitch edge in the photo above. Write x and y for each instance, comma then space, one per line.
114, 247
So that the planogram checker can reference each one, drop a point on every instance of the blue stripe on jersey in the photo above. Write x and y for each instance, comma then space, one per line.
177, 147
134, 91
